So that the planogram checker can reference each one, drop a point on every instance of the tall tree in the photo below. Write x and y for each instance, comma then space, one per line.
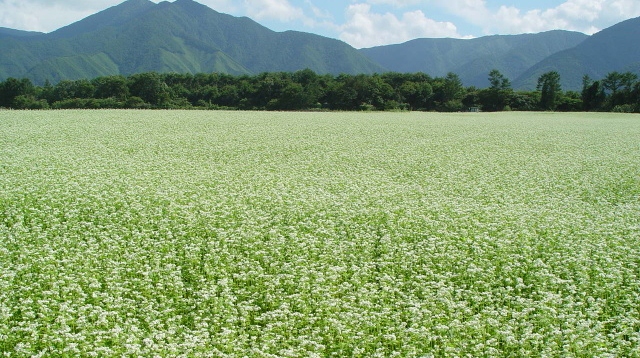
593, 95
73, 89
613, 82
150, 87
619, 86
496, 97
12, 88
448, 93
635, 97
111, 87
416, 94
498, 81
550, 90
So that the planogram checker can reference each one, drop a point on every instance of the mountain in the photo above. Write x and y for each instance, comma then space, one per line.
111, 17
187, 37
473, 59
612, 49
183, 36
5, 32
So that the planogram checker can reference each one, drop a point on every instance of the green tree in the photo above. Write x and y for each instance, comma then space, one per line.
313, 88
635, 97
525, 101
619, 85
12, 88
613, 82
73, 89
341, 94
292, 97
416, 94
593, 96
46, 92
150, 87
29, 102
498, 81
111, 87
550, 90
448, 93
498, 95
228, 96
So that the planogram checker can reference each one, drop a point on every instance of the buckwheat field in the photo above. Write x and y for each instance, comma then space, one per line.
258, 234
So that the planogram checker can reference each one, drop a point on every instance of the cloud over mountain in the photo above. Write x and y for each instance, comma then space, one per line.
364, 23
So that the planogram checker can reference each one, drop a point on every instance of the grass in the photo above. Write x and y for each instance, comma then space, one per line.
319, 234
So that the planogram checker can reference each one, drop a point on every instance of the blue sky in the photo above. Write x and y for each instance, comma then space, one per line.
366, 23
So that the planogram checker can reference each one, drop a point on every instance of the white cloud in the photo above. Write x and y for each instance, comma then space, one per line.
44, 16
587, 16
280, 10
317, 12
49, 15
225, 6
365, 28
474, 11
365, 24
395, 3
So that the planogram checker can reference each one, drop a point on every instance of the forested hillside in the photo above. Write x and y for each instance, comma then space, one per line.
612, 49
184, 37
472, 59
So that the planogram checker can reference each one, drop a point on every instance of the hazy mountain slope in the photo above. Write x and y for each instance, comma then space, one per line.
113, 16
183, 36
473, 59
188, 37
6, 32
612, 49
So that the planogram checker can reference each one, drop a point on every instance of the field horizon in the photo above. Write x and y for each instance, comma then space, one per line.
364, 234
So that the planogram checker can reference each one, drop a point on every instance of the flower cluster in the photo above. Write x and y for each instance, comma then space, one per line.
229, 234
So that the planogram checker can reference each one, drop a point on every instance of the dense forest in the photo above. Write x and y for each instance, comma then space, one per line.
306, 90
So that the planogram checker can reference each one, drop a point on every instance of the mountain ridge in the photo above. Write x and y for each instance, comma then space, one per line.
111, 16
603, 52
188, 37
183, 36
473, 59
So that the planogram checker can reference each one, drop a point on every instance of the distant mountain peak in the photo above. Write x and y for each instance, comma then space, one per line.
182, 36
473, 59
186, 36
18, 33
192, 5
112, 16
609, 50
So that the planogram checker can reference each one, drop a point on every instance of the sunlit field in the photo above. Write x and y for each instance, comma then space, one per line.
261, 234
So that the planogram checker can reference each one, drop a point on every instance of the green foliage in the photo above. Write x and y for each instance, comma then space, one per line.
73, 89
593, 95
498, 96
550, 90
306, 90
620, 86
111, 86
498, 81
13, 88
570, 102
29, 102
417, 95
525, 101
151, 87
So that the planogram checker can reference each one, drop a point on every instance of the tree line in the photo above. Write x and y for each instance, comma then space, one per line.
306, 90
